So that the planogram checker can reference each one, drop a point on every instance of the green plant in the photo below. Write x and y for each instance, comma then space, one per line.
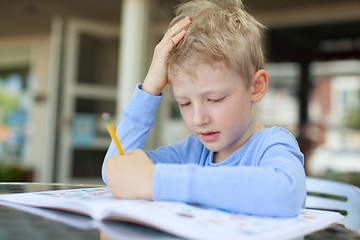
12, 173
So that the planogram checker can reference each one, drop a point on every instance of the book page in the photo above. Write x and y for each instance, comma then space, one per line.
180, 219
74, 200
195, 222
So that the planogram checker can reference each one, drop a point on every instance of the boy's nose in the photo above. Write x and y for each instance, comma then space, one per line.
200, 117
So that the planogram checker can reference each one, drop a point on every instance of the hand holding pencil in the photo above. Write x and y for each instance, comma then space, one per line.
131, 175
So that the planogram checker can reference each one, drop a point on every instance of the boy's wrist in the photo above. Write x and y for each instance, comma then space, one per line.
151, 89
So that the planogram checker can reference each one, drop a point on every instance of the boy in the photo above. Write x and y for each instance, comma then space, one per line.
211, 56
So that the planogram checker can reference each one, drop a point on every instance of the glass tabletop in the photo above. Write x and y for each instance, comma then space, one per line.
17, 225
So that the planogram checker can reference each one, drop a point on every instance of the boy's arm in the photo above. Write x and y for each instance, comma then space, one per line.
138, 116
133, 136
275, 188
157, 78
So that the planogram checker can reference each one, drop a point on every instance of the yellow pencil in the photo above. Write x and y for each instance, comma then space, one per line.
112, 132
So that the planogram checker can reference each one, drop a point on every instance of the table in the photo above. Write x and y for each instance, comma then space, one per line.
18, 225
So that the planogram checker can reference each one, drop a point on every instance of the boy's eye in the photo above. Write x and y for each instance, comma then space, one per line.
217, 100
184, 104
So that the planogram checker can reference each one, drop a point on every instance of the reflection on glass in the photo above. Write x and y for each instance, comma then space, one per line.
112, 229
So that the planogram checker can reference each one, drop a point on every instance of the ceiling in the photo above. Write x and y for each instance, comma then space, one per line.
21, 17
286, 4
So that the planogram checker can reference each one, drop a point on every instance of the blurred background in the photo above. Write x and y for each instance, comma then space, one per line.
63, 63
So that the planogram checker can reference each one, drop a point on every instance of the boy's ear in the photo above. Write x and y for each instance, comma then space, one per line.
259, 85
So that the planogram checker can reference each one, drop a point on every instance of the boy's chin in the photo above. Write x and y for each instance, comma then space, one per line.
213, 147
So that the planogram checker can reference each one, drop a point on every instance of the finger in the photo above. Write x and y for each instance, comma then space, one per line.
108, 161
112, 159
131, 152
174, 41
177, 28
177, 38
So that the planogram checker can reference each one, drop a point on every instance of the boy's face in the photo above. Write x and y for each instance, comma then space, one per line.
215, 105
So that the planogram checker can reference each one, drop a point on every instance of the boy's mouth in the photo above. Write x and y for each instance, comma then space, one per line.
209, 136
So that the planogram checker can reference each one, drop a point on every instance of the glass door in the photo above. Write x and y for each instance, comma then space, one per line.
91, 63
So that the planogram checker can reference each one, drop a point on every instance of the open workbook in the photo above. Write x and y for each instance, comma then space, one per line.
180, 219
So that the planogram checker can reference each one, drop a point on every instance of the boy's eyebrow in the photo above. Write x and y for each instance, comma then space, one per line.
179, 97
204, 93
211, 91
215, 91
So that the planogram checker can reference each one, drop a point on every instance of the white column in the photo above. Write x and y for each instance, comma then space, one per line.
134, 23
52, 91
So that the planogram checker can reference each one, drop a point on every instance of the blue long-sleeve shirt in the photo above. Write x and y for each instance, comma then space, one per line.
263, 177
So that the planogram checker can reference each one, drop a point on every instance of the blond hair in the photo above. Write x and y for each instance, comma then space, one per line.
220, 31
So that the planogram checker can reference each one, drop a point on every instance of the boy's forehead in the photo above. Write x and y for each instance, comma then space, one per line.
203, 79
177, 72
194, 71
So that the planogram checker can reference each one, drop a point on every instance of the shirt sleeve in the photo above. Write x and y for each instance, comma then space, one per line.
138, 116
274, 188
